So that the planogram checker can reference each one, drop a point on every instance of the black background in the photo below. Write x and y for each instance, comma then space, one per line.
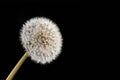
80, 39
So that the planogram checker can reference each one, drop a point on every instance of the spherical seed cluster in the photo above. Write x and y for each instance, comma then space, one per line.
42, 39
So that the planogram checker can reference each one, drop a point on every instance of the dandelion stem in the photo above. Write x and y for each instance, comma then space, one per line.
18, 65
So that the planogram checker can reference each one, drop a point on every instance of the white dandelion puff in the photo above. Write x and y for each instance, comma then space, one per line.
42, 41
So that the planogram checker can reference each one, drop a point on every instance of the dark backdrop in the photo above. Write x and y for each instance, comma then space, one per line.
78, 27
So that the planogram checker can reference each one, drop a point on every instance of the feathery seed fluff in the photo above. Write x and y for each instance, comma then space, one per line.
42, 39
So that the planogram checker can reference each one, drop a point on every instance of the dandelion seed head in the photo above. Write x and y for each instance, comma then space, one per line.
42, 39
